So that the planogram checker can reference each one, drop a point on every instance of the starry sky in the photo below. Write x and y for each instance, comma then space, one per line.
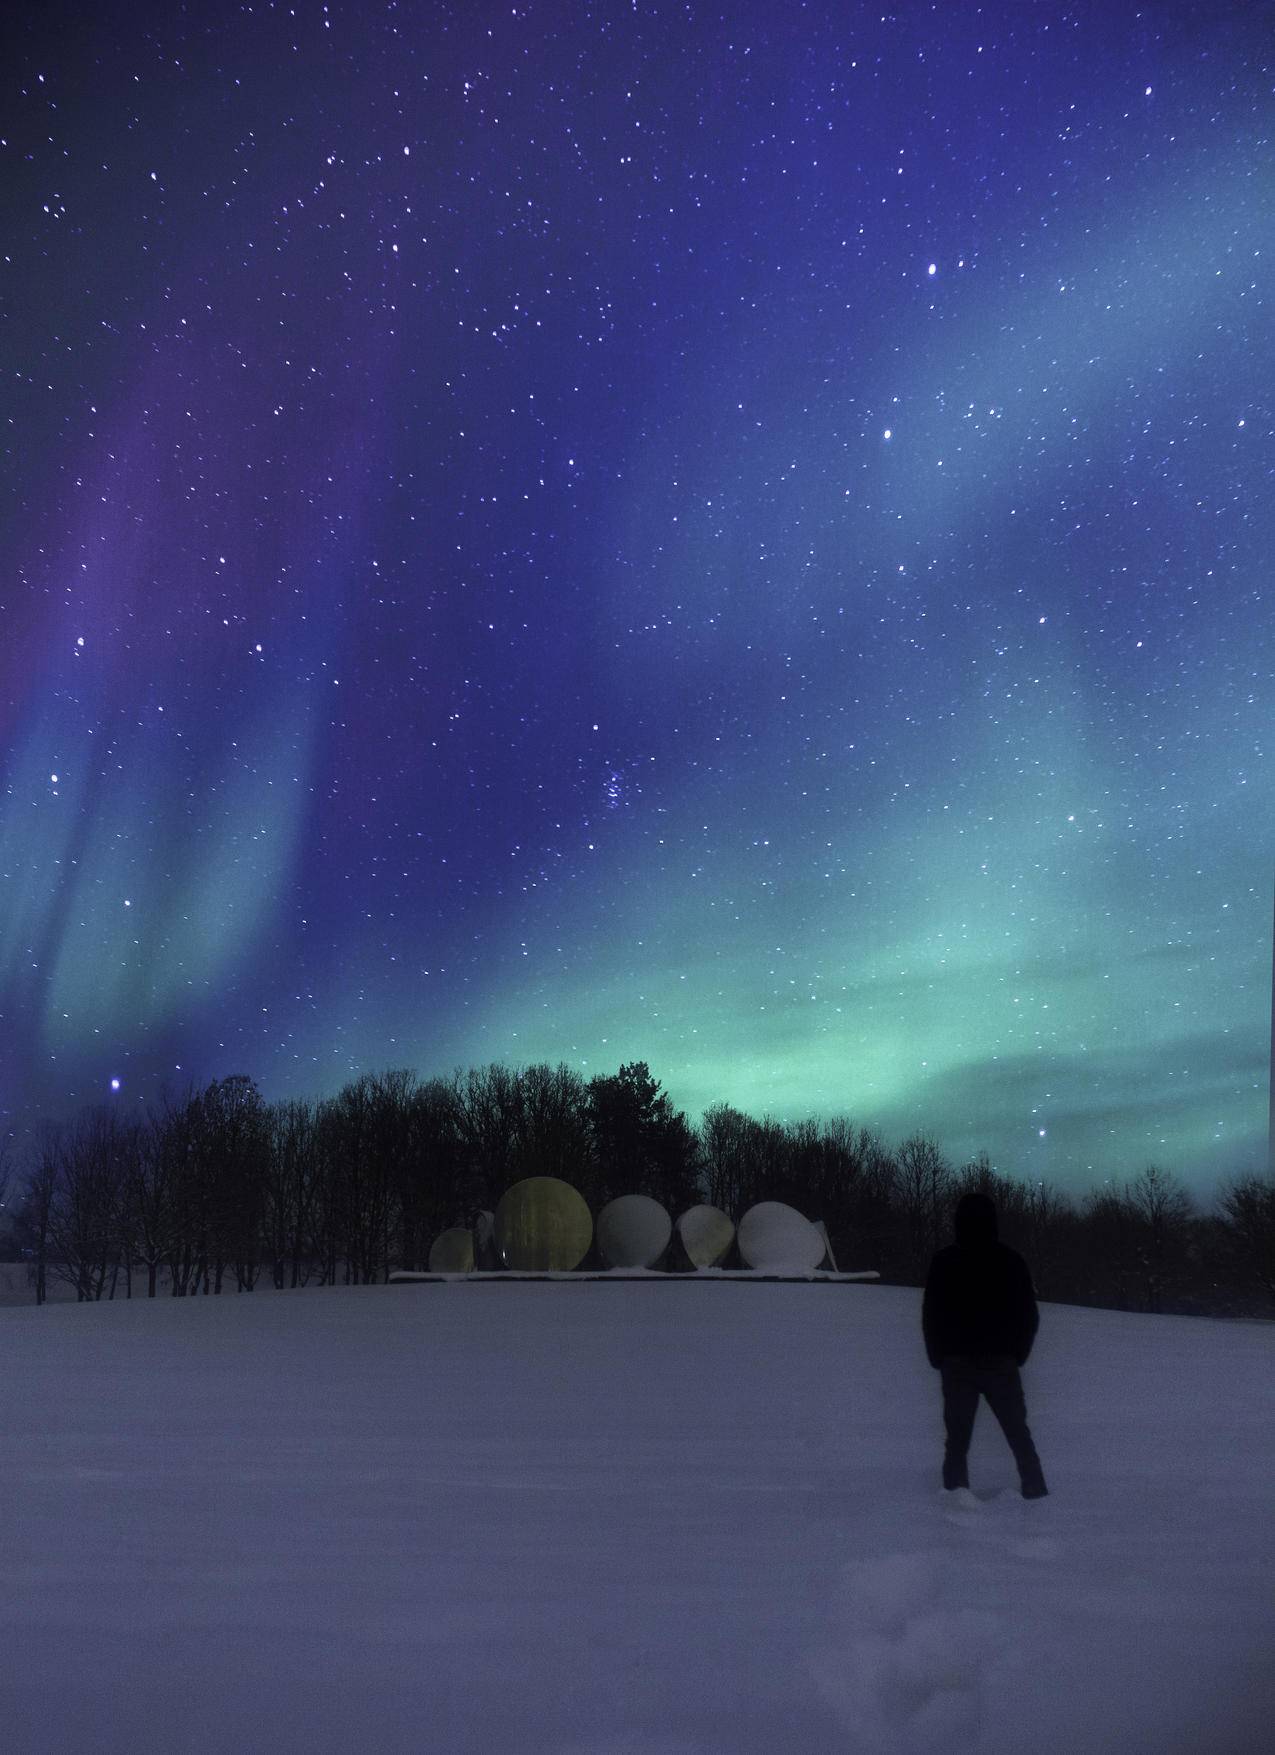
732, 535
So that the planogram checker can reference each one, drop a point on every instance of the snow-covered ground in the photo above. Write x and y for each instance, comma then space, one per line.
632, 1517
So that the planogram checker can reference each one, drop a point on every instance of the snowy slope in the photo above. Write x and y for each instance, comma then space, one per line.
619, 1517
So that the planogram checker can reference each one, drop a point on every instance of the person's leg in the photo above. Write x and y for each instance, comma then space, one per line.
1001, 1384
960, 1404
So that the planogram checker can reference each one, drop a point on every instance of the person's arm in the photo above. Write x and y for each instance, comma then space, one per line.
931, 1302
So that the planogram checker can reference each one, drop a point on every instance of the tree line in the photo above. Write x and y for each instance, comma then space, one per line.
218, 1188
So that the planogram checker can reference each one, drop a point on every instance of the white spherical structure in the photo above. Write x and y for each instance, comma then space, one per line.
543, 1226
633, 1231
452, 1252
705, 1234
774, 1238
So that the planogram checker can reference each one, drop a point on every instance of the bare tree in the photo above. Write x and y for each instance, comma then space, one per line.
438, 1182
1162, 1212
491, 1116
724, 1156
354, 1131
290, 1192
92, 1164
41, 1189
233, 1150
924, 1190
1249, 1208
186, 1249
843, 1175
554, 1136
1108, 1236
153, 1199
6, 1169
1048, 1223
757, 1163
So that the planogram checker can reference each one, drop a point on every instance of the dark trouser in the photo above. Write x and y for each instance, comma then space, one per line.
965, 1378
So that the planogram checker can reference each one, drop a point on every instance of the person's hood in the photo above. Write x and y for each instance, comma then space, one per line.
975, 1221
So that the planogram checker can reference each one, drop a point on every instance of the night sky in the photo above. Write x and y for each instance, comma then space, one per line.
738, 536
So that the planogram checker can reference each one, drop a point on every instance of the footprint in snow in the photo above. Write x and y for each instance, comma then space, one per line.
1005, 1517
905, 1673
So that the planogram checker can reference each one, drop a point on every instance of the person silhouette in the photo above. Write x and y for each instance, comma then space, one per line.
979, 1319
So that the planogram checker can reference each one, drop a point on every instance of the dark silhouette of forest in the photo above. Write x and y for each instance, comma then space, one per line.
218, 1188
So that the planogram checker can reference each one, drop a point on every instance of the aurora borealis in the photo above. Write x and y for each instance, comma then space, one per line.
739, 537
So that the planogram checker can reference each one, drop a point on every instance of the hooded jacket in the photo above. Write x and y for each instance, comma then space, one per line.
978, 1293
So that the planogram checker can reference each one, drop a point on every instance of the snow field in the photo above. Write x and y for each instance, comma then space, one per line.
613, 1518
